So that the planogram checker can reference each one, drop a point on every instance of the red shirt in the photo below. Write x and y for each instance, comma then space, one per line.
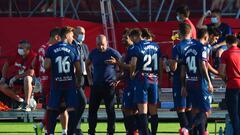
231, 58
20, 64
42, 72
194, 32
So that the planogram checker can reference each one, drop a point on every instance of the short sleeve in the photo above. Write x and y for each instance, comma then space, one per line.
76, 55
116, 54
48, 53
175, 54
203, 53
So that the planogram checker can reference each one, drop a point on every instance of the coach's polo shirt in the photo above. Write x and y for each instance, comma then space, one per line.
103, 73
231, 58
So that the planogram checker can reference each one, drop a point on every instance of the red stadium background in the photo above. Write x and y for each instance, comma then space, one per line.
36, 30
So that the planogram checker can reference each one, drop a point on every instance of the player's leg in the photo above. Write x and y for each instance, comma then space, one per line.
82, 104
232, 97
141, 98
63, 117
94, 103
52, 108
10, 93
70, 98
153, 100
109, 94
27, 91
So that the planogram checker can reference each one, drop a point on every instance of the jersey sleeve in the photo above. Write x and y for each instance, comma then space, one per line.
175, 54
203, 56
76, 55
48, 53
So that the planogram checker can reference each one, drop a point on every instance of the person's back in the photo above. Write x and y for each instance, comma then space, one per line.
148, 54
62, 70
232, 66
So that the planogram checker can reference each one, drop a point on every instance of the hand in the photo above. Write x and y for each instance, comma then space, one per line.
2, 80
11, 82
208, 13
112, 60
115, 83
184, 92
210, 87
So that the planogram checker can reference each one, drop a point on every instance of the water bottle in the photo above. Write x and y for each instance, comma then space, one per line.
220, 131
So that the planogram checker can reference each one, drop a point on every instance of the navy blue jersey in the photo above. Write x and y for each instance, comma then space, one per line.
148, 55
208, 49
63, 56
225, 30
103, 73
192, 57
178, 54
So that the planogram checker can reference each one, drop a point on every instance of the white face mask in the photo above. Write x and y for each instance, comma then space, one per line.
81, 37
178, 18
214, 19
21, 52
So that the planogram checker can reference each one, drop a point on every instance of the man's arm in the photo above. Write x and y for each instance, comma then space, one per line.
204, 72
222, 71
47, 63
173, 64
5, 69
89, 71
183, 80
200, 24
212, 70
160, 70
78, 73
133, 63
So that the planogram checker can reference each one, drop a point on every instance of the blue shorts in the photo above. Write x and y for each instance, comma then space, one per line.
146, 89
179, 100
69, 96
128, 96
200, 97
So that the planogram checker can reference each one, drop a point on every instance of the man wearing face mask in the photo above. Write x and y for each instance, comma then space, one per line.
21, 75
224, 28
79, 37
183, 13
102, 83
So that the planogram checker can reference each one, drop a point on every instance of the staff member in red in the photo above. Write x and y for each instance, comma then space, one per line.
230, 72
21, 75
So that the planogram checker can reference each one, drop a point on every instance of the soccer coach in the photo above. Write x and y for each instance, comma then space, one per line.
102, 83
230, 72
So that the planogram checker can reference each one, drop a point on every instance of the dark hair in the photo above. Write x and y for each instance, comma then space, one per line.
183, 10
54, 32
184, 29
126, 31
135, 32
231, 39
65, 30
146, 33
214, 31
201, 33
25, 43
216, 11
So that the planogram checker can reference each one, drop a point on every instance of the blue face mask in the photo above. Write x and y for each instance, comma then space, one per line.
214, 20
81, 37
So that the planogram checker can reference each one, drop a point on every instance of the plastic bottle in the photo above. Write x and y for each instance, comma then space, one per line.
220, 131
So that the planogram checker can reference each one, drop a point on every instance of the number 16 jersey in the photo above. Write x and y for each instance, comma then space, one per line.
63, 56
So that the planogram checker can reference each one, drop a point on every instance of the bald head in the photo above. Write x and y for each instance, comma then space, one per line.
101, 42
79, 33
